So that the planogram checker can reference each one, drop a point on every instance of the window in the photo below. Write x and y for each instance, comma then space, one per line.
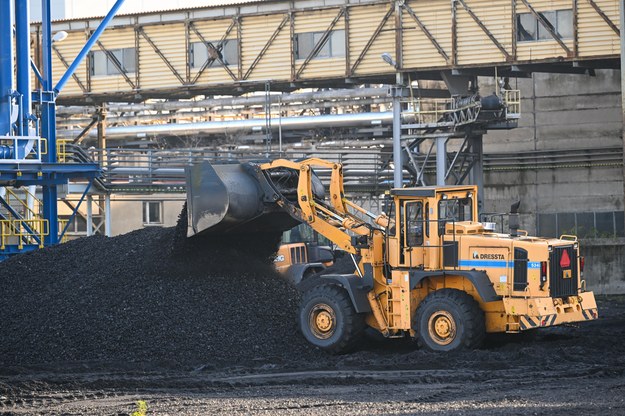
333, 47
455, 209
199, 53
103, 64
414, 224
152, 212
560, 21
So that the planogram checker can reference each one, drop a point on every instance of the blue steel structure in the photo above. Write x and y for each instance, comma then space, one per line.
28, 145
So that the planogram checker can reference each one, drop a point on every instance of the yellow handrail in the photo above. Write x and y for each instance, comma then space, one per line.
61, 150
21, 201
62, 224
39, 229
5, 233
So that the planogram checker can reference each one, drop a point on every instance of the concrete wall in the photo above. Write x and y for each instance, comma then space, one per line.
565, 112
605, 265
127, 214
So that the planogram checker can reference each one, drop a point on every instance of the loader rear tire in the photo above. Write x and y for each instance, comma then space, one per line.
327, 319
448, 320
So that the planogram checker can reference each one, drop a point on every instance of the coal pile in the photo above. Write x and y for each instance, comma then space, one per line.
150, 296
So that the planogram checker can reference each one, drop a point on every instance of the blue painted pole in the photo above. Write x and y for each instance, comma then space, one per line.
6, 65
85, 50
22, 48
48, 127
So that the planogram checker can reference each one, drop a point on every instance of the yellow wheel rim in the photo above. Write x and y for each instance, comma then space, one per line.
322, 321
442, 327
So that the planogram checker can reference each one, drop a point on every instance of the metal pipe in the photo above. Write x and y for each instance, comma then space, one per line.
85, 49
107, 215
6, 65
22, 49
237, 126
258, 100
441, 156
145, 117
89, 215
398, 179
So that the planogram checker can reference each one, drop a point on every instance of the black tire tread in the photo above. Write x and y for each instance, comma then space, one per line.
474, 322
354, 323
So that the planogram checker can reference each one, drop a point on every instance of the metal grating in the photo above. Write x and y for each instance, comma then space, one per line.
559, 283
298, 254
520, 269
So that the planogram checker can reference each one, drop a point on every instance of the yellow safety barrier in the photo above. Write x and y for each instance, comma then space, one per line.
512, 100
11, 193
62, 155
62, 224
39, 228
5, 233
429, 110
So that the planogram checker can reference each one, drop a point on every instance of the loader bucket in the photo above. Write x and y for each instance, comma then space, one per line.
229, 198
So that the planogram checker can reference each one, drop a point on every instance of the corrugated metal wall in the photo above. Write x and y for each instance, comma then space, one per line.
543, 49
418, 50
319, 21
256, 32
474, 45
484, 36
117, 38
596, 37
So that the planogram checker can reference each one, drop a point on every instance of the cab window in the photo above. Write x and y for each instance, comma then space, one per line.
413, 214
455, 210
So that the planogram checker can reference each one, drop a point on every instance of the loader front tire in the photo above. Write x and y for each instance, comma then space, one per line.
448, 320
327, 319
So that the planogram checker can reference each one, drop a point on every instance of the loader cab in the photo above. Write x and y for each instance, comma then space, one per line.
421, 217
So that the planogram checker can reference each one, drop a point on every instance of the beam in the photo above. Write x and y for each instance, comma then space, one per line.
269, 42
85, 50
173, 70
605, 17
66, 65
426, 32
372, 39
320, 43
116, 63
485, 29
219, 48
547, 27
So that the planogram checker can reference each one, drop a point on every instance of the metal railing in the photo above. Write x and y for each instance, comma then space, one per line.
22, 149
364, 170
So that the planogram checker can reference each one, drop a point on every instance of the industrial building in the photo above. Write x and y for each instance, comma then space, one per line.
262, 79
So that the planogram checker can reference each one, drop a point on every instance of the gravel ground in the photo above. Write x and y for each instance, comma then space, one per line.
150, 296
570, 370
204, 326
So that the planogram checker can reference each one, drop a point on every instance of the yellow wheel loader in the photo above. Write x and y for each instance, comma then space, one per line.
427, 269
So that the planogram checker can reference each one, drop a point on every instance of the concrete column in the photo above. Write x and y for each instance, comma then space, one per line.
441, 160
107, 215
30, 201
622, 4
89, 215
476, 175
398, 179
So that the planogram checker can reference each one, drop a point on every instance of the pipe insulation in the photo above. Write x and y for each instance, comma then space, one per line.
252, 100
239, 126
